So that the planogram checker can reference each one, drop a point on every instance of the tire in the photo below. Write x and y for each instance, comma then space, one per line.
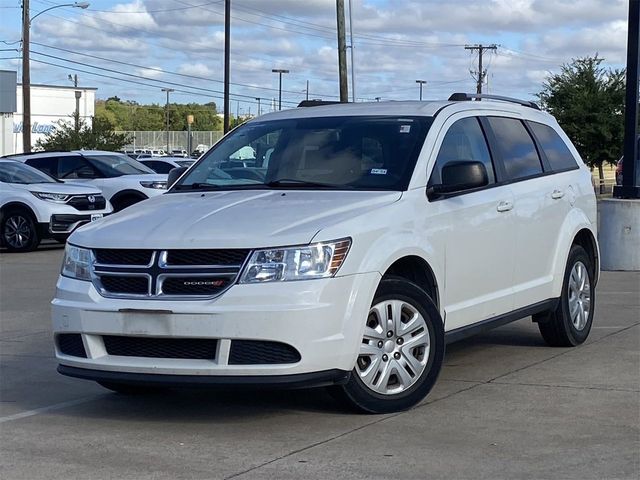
129, 389
18, 230
570, 323
396, 369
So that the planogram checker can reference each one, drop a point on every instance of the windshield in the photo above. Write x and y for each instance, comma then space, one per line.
16, 172
342, 153
117, 165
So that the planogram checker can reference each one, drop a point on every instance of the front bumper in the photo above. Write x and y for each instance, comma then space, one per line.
67, 223
322, 319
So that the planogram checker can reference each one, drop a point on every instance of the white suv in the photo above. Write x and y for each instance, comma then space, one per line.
34, 206
357, 241
123, 181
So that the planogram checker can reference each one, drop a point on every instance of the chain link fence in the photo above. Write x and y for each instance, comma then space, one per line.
177, 140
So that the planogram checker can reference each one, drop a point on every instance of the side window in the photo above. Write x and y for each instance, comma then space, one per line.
518, 150
46, 165
160, 167
75, 167
463, 141
557, 152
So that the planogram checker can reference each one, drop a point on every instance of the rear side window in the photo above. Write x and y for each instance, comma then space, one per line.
517, 148
48, 165
463, 141
75, 167
556, 151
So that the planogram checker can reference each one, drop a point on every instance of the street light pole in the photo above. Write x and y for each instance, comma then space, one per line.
26, 71
166, 114
279, 71
259, 111
421, 82
227, 54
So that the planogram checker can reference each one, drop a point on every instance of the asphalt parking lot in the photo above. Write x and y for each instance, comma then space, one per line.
506, 406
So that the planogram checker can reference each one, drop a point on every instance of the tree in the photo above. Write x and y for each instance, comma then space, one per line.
588, 102
98, 136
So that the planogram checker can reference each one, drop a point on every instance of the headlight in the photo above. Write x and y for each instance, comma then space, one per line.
52, 197
77, 263
159, 185
319, 260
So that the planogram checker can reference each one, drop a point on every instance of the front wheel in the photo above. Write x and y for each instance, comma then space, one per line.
19, 232
401, 352
570, 323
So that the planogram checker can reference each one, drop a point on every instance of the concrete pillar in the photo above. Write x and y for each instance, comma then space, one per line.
619, 234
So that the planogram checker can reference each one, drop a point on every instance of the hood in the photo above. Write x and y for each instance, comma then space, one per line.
63, 188
229, 219
143, 177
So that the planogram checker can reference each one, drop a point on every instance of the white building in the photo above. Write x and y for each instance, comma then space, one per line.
49, 104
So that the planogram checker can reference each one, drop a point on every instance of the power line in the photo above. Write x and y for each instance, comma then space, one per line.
163, 82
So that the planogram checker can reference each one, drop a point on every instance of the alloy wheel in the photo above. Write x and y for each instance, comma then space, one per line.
17, 232
395, 347
579, 295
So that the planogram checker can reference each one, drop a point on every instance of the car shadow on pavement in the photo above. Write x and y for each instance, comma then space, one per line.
207, 405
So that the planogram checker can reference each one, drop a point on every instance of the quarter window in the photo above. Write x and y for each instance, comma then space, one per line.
556, 151
463, 141
518, 151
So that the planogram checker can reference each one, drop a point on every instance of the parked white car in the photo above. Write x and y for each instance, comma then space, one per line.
34, 206
376, 233
122, 180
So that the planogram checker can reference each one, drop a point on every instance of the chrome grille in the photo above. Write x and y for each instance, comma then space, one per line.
163, 274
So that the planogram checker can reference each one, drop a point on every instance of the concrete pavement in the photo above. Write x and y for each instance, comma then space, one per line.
505, 406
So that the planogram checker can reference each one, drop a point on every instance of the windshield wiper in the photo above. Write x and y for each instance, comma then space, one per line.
198, 186
293, 183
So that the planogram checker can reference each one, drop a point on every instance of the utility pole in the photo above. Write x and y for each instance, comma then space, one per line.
26, 80
353, 65
166, 114
630, 187
421, 82
227, 49
279, 71
480, 73
259, 111
78, 94
307, 90
342, 52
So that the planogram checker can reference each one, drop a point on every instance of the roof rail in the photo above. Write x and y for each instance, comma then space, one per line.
458, 97
317, 103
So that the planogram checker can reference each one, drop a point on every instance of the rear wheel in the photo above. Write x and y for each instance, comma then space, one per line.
570, 323
401, 351
18, 230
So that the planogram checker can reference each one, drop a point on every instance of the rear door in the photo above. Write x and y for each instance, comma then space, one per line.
478, 232
539, 208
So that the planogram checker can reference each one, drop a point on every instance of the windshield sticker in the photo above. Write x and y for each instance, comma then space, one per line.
378, 171
405, 128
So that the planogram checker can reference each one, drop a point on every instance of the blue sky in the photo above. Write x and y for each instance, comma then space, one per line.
179, 44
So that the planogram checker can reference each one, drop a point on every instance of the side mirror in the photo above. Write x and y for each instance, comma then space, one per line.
174, 175
459, 176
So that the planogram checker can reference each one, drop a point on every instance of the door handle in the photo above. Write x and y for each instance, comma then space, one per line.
504, 206
557, 194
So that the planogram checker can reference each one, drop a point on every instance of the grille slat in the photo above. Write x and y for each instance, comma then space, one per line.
260, 352
125, 284
123, 256
206, 257
83, 203
71, 344
194, 285
166, 273
150, 347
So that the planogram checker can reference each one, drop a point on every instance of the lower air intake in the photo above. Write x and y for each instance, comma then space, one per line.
258, 352
189, 348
